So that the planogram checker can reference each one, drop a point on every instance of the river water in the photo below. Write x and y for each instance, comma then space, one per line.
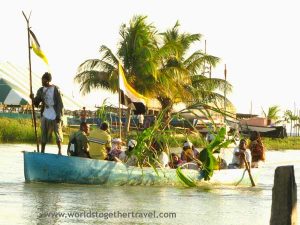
42, 203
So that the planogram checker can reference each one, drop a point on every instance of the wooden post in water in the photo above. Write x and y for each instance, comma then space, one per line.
284, 197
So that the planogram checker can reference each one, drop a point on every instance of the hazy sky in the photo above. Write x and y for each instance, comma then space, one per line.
259, 41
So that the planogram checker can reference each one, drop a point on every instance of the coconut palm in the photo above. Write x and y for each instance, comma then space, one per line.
289, 117
137, 50
159, 70
272, 114
181, 76
98, 73
136, 53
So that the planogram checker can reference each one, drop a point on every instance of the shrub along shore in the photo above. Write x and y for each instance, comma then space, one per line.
22, 131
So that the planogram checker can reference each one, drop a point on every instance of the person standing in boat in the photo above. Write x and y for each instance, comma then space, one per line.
51, 111
103, 143
257, 149
82, 143
238, 154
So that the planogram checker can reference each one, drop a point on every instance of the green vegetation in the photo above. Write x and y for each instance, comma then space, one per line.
16, 131
22, 131
282, 144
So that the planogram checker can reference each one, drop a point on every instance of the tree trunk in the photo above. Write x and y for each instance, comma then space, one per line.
167, 105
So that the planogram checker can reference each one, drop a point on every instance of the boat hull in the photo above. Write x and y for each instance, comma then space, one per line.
44, 167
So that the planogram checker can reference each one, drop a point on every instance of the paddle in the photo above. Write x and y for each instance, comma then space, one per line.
248, 169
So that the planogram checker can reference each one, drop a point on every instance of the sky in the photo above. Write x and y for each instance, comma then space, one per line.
258, 41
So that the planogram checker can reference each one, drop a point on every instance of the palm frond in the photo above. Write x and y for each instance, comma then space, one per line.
108, 56
91, 80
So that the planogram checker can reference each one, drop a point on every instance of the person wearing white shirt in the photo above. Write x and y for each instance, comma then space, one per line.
51, 111
140, 118
238, 154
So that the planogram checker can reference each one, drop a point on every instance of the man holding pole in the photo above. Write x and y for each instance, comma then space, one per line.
51, 111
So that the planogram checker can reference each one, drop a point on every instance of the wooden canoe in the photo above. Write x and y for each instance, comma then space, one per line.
44, 167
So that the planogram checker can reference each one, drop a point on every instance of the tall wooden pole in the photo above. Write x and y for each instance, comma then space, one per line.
30, 80
225, 75
120, 114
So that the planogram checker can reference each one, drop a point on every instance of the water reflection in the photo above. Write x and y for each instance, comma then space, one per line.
46, 200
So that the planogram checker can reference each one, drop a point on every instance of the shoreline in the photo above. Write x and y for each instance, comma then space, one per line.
20, 131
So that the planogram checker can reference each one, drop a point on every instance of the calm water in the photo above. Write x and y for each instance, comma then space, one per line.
25, 203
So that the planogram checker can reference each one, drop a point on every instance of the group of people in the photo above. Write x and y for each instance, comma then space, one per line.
110, 149
49, 96
104, 148
252, 156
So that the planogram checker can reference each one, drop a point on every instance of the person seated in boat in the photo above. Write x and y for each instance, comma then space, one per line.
189, 145
127, 157
100, 141
80, 146
257, 149
116, 150
175, 161
159, 149
239, 154
189, 160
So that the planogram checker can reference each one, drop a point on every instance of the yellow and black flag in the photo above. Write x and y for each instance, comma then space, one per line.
37, 48
131, 96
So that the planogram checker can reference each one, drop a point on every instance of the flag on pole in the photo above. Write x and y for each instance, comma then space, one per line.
37, 48
131, 96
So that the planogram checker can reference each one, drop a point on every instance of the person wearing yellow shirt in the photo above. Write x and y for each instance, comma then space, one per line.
100, 142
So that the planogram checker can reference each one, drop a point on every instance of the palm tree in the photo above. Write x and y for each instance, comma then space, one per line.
135, 52
98, 73
272, 114
289, 117
157, 70
181, 76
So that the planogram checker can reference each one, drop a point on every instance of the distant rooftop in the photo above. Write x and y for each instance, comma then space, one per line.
245, 115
